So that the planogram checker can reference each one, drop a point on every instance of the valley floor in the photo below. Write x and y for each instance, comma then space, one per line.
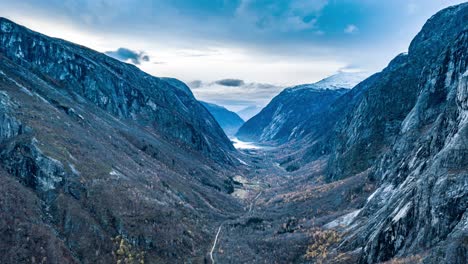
282, 210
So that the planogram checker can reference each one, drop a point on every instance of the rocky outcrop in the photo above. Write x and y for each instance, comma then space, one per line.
9, 126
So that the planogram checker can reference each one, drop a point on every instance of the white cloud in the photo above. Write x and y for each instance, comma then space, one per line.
295, 15
234, 97
351, 29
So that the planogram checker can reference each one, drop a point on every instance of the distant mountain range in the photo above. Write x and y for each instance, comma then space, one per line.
249, 111
229, 121
284, 118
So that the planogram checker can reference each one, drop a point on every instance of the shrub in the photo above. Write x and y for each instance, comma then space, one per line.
125, 253
321, 243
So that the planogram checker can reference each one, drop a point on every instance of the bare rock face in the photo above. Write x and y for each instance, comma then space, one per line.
9, 126
416, 129
405, 127
282, 119
424, 177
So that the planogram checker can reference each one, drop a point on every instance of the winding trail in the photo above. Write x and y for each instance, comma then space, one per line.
214, 244
251, 206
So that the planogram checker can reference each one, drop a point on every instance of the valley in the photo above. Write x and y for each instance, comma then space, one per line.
101, 162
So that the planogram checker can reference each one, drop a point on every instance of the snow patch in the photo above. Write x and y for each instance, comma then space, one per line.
342, 80
73, 169
384, 191
114, 173
242, 162
402, 212
344, 220
465, 74
152, 105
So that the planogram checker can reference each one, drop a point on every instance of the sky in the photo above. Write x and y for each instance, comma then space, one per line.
237, 53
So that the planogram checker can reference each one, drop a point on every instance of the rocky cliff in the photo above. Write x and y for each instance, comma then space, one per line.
406, 130
406, 127
420, 207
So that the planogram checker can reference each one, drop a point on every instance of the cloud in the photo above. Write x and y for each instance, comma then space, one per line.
195, 84
237, 95
231, 82
198, 52
275, 41
285, 16
350, 29
352, 68
126, 55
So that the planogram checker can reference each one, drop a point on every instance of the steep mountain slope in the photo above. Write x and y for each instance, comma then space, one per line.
399, 137
118, 88
229, 121
406, 128
367, 120
100, 162
282, 119
422, 201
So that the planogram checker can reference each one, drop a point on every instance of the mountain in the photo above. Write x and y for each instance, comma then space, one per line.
380, 175
282, 119
229, 121
406, 129
249, 112
341, 80
416, 142
101, 162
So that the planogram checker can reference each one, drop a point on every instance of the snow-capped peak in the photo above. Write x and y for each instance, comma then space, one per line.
345, 80
342, 80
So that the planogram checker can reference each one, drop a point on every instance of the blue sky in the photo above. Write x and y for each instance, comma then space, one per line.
266, 44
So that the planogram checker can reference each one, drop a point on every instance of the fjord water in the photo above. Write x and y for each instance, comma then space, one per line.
238, 144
